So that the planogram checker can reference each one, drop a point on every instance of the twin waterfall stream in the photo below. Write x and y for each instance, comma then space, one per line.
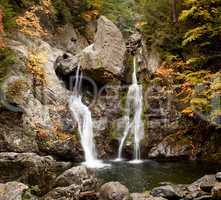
133, 125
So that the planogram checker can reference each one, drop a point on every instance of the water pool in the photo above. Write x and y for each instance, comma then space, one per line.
145, 176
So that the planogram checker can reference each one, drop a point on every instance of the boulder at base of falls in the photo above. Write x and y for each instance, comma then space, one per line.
114, 191
80, 176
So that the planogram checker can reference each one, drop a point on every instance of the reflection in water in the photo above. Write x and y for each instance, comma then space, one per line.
144, 176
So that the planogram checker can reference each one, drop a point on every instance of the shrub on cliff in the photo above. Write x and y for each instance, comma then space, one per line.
6, 60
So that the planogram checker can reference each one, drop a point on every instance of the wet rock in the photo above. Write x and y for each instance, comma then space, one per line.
133, 43
31, 169
216, 191
12, 191
114, 191
167, 191
103, 60
80, 176
218, 176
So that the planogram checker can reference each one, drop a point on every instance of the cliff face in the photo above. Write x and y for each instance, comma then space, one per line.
35, 116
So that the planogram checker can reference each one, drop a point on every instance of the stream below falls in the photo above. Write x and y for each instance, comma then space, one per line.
149, 174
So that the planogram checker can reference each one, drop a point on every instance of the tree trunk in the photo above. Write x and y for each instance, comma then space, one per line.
2, 44
174, 11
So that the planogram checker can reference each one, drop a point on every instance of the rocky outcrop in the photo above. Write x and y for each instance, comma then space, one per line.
207, 187
31, 169
170, 148
113, 191
80, 176
13, 137
103, 60
73, 184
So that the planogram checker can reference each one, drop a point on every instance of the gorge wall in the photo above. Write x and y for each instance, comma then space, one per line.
34, 112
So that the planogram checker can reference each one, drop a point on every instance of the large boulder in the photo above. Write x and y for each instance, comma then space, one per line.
167, 192
80, 176
114, 191
104, 59
201, 187
31, 169
73, 184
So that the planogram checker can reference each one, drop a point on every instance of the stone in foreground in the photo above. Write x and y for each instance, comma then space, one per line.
114, 191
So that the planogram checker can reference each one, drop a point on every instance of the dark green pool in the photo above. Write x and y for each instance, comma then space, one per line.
142, 177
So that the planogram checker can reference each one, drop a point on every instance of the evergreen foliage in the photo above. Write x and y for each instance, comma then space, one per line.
203, 31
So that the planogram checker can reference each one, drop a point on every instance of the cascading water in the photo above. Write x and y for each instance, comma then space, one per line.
82, 116
134, 105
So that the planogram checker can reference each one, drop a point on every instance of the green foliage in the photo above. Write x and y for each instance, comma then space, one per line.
9, 14
159, 29
203, 29
62, 12
120, 12
6, 60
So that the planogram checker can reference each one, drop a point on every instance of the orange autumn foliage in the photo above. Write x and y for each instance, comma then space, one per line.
30, 24
163, 71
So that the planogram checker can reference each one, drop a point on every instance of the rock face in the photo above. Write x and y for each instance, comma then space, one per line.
106, 56
114, 191
170, 149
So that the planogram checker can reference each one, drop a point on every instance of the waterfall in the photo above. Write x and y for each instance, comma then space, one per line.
82, 115
134, 105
